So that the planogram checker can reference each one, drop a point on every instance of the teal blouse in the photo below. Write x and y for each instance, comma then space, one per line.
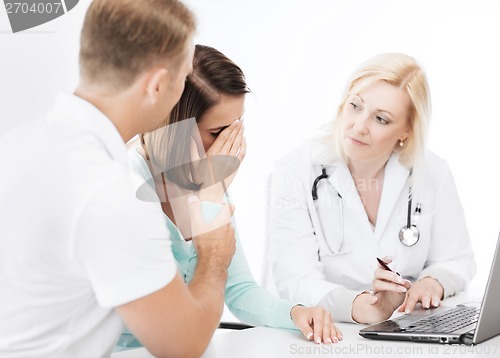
246, 300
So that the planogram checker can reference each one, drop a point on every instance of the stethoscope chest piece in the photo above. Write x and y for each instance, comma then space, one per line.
409, 236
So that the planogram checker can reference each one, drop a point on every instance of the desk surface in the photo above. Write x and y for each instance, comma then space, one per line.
264, 342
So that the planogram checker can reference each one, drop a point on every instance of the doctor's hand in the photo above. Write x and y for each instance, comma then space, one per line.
372, 308
387, 294
316, 324
428, 291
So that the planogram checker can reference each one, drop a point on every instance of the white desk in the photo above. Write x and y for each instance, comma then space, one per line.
263, 342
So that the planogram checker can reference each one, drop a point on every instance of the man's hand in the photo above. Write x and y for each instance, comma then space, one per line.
215, 241
155, 319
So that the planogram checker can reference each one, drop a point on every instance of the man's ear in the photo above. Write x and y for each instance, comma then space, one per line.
156, 83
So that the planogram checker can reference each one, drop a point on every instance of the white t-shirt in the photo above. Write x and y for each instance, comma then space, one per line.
74, 239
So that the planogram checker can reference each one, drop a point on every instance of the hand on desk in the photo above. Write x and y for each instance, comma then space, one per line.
390, 291
387, 294
368, 308
427, 291
316, 323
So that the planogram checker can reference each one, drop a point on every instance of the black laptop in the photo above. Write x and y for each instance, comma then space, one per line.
463, 324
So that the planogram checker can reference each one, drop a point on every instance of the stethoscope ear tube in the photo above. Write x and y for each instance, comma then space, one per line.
314, 191
315, 184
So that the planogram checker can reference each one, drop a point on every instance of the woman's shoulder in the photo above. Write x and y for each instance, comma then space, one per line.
434, 162
436, 168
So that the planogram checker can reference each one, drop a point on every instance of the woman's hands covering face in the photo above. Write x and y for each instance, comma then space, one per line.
218, 168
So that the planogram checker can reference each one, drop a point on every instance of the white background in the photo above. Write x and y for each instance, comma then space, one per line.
297, 56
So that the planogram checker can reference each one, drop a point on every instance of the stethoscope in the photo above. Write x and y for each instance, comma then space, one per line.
315, 200
408, 235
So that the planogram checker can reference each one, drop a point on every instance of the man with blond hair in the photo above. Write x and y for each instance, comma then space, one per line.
79, 254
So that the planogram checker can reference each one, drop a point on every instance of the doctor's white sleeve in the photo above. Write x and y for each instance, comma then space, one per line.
294, 250
450, 259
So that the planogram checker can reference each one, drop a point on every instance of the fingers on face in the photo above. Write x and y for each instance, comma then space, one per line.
225, 139
233, 140
243, 149
236, 145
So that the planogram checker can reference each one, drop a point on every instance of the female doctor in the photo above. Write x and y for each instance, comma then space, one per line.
367, 188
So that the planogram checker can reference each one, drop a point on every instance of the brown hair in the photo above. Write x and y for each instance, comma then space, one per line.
213, 75
122, 38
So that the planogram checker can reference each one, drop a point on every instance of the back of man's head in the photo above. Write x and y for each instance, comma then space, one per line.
122, 38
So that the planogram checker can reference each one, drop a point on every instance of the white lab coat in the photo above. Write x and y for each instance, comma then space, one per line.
304, 268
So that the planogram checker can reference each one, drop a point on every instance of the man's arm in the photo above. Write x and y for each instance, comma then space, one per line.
175, 321
179, 320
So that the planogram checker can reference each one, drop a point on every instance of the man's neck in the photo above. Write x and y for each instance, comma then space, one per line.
114, 106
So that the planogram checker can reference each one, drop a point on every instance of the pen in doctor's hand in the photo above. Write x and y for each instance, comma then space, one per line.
385, 282
385, 267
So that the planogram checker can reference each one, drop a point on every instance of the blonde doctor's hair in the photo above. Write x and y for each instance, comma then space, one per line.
401, 71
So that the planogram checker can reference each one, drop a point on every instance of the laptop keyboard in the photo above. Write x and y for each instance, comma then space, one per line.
446, 322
